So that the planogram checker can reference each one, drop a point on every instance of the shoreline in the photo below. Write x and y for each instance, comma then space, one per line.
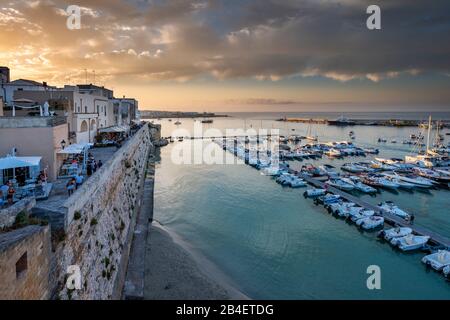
176, 270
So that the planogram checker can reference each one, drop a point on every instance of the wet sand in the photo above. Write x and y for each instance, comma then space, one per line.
173, 271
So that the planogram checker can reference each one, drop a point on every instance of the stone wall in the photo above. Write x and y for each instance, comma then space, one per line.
100, 219
25, 263
9, 214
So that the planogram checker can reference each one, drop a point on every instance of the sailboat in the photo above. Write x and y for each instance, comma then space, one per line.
309, 135
428, 159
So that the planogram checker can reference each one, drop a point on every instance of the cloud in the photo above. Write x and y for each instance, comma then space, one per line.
266, 40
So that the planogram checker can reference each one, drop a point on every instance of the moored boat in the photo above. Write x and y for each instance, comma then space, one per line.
438, 260
396, 233
410, 242
370, 223
390, 207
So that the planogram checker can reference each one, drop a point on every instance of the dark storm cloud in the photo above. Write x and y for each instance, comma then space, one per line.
262, 39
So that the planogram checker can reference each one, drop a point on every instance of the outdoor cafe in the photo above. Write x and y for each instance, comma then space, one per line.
23, 174
75, 159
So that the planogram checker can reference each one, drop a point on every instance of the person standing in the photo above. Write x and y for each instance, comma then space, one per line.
10, 195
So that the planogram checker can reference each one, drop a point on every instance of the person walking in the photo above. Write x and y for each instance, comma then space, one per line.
71, 186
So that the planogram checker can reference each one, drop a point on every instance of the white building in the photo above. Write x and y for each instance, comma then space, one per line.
8, 89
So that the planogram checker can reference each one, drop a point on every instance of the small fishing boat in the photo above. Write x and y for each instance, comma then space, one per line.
312, 193
172, 140
207, 121
396, 233
390, 207
370, 223
180, 139
339, 184
410, 242
177, 122
438, 260
382, 140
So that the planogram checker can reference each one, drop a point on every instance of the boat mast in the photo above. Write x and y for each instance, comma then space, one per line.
428, 136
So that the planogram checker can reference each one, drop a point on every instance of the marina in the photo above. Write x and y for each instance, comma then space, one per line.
370, 163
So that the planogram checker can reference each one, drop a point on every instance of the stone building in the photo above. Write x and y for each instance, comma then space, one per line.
25, 256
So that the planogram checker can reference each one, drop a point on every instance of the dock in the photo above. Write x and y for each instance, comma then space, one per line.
389, 218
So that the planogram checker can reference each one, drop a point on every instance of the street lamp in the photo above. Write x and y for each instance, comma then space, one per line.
63, 144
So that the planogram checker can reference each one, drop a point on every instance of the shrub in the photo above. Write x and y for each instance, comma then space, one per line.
94, 222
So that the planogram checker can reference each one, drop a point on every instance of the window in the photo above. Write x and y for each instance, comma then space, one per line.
84, 126
98, 109
85, 109
21, 266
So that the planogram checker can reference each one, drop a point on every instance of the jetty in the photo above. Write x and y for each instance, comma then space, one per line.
393, 220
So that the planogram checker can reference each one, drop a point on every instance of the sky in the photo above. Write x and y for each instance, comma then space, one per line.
238, 55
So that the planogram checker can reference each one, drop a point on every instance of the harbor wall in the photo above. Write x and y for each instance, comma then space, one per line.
100, 219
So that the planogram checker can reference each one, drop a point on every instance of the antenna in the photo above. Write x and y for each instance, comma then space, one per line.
94, 75
85, 76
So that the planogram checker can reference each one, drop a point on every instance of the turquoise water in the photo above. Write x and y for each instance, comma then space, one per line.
275, 244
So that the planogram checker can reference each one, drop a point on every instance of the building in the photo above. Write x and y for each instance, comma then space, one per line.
4, 75
10, 88
35, 136
87, 109
125, 111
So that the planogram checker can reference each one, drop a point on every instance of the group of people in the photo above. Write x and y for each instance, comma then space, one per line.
77, 180
7, 192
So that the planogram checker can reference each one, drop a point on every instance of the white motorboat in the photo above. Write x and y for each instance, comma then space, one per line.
356, 182
438, 260
339, 184
410, 242
370, 223
297, 183
435, 175
415, 180
311, 193
391, 208
446, 271
353, 168
357, 213
329, 170
396, 233
402, 184
385, 183
271, 171
343, 210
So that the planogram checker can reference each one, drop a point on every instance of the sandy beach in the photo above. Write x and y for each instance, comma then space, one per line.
174, 271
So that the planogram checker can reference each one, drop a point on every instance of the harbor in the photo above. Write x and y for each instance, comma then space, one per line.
292, 207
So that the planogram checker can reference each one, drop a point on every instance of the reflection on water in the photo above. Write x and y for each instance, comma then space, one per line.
276, 244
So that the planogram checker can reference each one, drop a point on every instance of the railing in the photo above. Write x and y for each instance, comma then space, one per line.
30, 122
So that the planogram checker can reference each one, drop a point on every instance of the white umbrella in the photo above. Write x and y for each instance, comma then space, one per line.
19, 162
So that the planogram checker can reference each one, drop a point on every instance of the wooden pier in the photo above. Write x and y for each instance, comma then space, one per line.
388, 217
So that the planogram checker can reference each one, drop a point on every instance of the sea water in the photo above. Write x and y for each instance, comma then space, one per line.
274, 243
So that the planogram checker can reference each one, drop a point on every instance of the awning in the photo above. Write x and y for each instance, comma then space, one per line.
19, 162
116, 129
75, 148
